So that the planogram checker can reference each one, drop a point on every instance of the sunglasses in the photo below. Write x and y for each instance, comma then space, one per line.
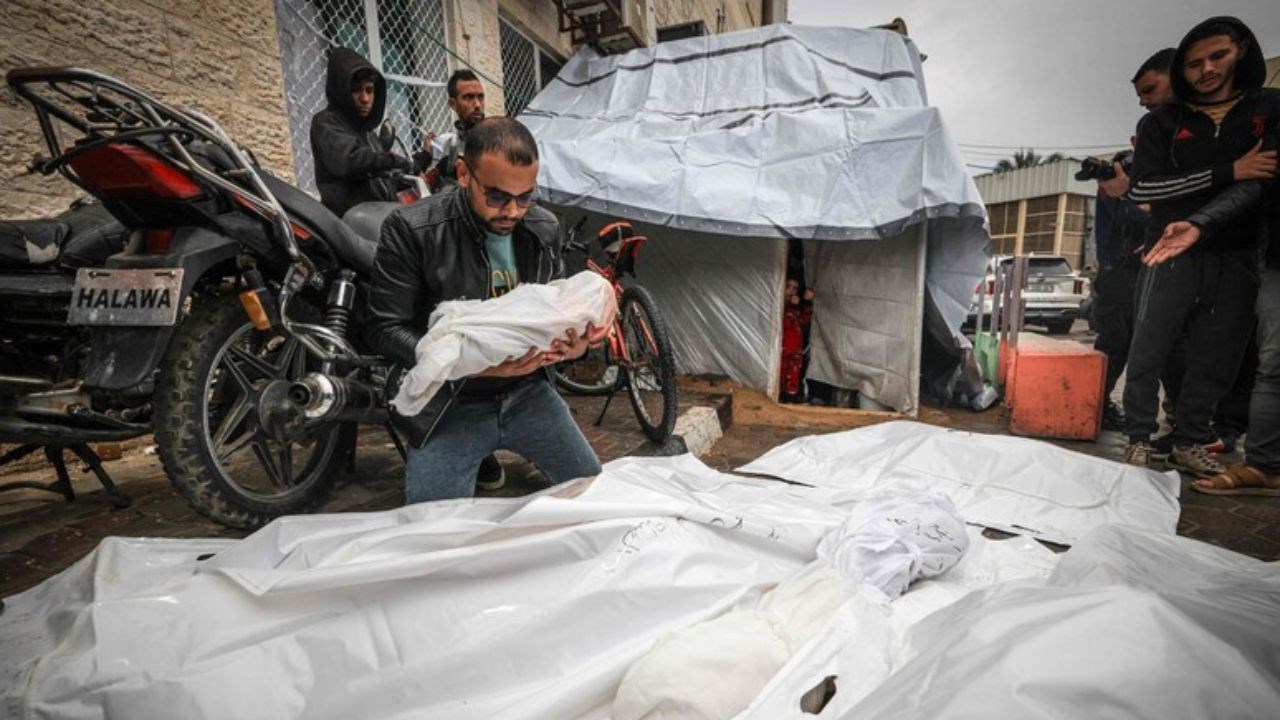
497, 199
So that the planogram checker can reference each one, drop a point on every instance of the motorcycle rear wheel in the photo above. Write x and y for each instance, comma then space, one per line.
207, 427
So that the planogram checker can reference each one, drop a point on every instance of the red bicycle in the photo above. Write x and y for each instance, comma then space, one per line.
637, 355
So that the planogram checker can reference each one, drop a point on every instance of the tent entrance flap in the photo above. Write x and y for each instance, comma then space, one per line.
868, 305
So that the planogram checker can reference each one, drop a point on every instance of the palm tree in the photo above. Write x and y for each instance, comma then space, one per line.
1025, 159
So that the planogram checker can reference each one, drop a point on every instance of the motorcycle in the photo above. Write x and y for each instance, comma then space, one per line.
230, 311
41, 356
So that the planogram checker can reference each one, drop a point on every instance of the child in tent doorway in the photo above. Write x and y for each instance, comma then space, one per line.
796, 313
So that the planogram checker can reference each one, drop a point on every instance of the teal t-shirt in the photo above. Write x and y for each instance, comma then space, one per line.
502, 264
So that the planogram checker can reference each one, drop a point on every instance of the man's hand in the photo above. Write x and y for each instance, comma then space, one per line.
426, 143
1116, 186
517, 367
1255, 164
1177, 237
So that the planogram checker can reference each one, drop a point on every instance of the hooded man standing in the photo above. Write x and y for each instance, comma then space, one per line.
1186, 153
352, 151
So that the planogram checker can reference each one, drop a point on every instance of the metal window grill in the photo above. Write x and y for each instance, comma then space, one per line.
404, 38
520, 68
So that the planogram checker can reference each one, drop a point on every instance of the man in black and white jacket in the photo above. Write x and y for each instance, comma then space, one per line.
1187, 152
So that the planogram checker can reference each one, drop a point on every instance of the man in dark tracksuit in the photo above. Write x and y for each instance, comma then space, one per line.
1260, 473
1186, 153
351, 148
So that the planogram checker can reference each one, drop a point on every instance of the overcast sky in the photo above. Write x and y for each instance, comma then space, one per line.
1035, 73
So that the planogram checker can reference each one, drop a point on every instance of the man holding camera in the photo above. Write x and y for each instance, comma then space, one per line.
1187, 152
1119, 232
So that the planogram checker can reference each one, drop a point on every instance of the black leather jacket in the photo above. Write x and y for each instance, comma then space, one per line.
1238, 199
433, 251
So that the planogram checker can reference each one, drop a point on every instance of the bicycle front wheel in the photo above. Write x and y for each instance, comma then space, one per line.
651, 372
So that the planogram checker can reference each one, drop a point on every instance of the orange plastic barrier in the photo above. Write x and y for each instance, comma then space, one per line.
1054, 388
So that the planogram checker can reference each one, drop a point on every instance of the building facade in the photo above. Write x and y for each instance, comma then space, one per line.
219, 57
1040, 210
257, 66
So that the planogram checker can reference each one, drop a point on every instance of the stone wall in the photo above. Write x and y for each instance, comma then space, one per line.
217, 56
737, 14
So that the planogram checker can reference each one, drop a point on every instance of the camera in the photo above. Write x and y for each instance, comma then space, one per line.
1095, 169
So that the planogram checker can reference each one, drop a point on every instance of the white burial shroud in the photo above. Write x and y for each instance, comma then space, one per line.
466, 337
536, 607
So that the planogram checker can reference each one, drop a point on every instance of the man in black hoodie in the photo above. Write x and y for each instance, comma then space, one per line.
1260, 473
1186, 153
352, 157
352, 151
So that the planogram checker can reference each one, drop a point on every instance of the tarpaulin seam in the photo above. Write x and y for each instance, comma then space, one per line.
891, 75
822, 103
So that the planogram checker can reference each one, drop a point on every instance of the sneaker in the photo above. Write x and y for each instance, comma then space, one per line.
1112, 417
1196, 460
1140, 454
491, 475
1161, 447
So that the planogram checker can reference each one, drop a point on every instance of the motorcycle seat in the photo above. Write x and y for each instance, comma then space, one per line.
83, 236
349, 248
366, 218
31, 243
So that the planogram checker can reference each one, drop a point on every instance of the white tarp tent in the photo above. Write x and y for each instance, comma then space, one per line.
721, 148
536, 607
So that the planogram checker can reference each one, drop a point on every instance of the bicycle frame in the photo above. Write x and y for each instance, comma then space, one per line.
625, 257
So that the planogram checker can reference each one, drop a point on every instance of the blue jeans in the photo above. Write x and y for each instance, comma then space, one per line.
530, 420
1262, 443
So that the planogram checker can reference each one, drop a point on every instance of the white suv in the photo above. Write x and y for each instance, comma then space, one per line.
1053, 294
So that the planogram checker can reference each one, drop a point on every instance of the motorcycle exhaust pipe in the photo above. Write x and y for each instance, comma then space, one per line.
322, 398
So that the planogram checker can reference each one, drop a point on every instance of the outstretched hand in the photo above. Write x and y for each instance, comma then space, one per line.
1177, 238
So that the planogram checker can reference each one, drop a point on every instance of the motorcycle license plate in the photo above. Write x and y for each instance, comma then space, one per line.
125, 297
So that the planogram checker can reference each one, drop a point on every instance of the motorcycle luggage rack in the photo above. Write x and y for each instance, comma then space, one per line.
102, 109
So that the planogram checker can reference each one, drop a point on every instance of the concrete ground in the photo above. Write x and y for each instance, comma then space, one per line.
40, 534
